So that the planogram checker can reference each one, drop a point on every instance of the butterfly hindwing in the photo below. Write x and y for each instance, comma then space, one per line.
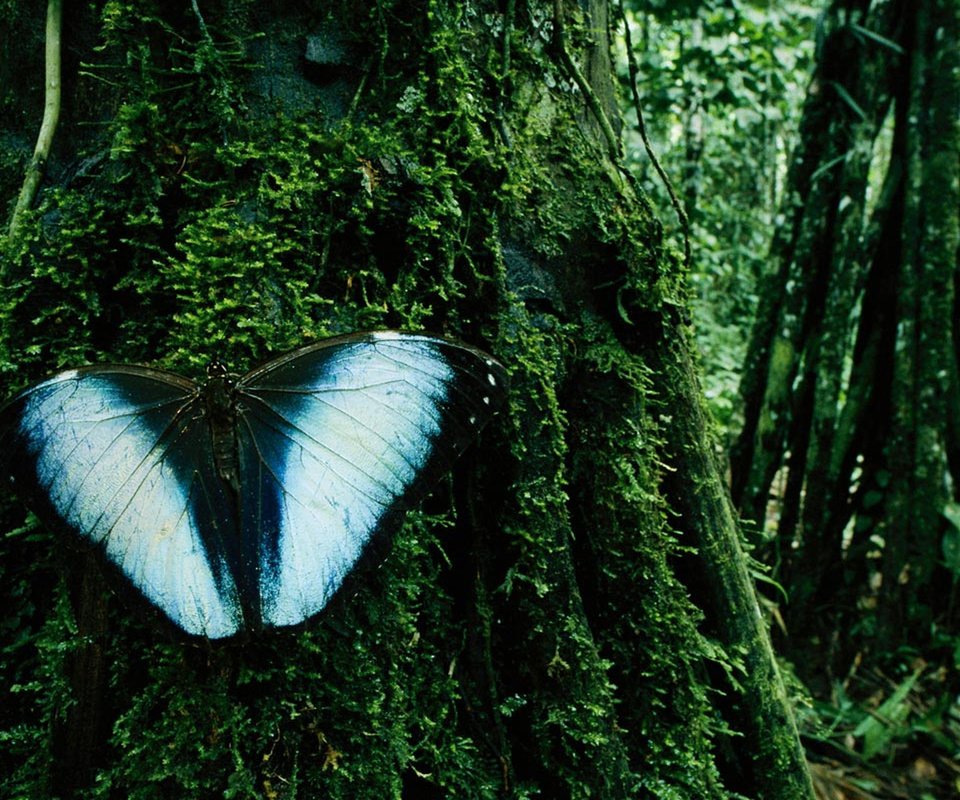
342, 435
120, 457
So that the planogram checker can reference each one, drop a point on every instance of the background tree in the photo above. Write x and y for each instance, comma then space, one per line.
867, 613
230, 180
853, 361
847, 456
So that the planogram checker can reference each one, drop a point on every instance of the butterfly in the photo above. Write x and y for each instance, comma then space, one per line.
241, 504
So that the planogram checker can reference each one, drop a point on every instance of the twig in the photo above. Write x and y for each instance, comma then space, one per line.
203, 25
642, 130
51, 114
504, 88
508, 19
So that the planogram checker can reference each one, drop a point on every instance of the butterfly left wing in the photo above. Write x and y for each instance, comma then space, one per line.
120, 456
335, 438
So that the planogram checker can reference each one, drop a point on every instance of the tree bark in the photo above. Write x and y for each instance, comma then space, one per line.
697, 492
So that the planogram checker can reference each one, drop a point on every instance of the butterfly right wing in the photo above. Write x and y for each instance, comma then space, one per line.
336, 439
121, 456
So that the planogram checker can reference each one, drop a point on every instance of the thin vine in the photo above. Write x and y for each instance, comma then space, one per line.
51, 115
614, 149
642, 130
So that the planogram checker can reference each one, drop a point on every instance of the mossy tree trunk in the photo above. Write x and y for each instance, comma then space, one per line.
232, 179
850, 385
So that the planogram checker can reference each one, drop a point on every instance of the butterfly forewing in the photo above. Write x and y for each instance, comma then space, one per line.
116, 455
347, 432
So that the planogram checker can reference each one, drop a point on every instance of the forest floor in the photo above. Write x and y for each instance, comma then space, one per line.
899, 740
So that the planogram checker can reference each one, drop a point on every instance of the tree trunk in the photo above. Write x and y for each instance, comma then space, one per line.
261, 175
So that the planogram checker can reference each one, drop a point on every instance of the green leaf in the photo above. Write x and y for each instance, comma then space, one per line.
880, 727
877, 38
848, 99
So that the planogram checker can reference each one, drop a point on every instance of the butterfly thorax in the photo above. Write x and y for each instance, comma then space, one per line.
219, 393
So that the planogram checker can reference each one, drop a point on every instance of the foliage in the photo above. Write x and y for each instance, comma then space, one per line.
721, 85
893, 731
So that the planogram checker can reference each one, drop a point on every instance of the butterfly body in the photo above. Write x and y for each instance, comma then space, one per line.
219, 395
244, 503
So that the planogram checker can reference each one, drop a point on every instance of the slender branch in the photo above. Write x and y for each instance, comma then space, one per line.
200, 21
504, 89
508, 19
361, 86
560, 44
51, 114
642, 130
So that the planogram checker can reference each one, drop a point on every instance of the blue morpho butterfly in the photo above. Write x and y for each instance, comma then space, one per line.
241, 504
